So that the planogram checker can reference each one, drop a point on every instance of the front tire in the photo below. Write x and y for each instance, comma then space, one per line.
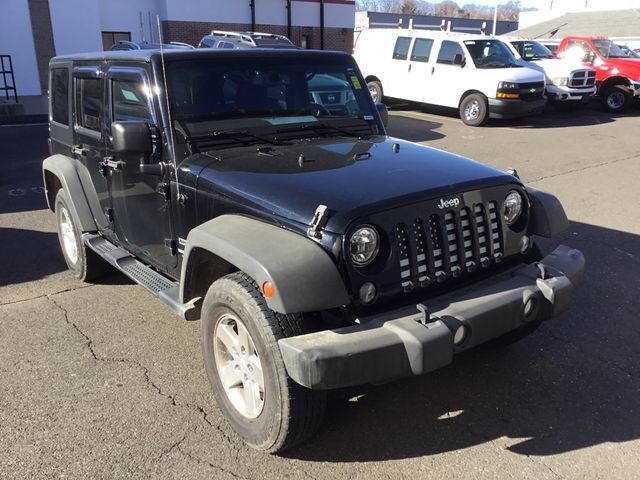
239, 336
84, 263
617, 99
474, 110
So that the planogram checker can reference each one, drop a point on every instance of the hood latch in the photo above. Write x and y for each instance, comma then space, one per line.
318, 222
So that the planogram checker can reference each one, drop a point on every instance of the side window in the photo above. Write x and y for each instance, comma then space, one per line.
448, 51
129, 101
421, 50
89, 103
59, 91
401, 49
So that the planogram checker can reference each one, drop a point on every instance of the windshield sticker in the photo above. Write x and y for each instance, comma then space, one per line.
368, 117
129, 95
356, 82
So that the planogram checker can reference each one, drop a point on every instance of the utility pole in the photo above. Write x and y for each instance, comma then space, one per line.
495, 18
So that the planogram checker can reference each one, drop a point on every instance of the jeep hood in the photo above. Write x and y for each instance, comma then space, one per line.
352, 177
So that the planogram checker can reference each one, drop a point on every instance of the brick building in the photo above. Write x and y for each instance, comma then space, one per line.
32, 31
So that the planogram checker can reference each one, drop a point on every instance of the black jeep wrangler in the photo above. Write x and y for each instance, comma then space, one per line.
317, 252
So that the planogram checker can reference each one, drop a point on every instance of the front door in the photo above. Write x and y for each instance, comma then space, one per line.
448, 79
140, 202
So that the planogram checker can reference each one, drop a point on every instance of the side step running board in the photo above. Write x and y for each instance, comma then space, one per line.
160, 286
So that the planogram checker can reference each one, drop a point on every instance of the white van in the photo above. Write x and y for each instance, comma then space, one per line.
477, 74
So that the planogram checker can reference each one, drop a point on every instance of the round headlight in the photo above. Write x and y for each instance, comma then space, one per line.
363, 246
512, 207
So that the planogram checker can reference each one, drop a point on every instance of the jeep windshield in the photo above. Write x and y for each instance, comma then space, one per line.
241, 100
491, 54
608, 49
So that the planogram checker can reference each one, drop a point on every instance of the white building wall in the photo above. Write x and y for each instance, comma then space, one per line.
76, 26
16, 39
125, 16
307, 14
231, 11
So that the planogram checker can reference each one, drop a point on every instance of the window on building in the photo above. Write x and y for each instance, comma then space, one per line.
448, 51
89, 103
401, 50
109, 38
59, 91
129, 101
421, 50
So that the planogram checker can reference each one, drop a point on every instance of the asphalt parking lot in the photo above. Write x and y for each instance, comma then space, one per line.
103, 381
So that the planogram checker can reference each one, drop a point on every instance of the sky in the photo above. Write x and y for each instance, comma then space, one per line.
565, 4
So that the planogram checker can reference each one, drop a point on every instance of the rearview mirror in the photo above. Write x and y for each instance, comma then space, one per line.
383, 112
131, 137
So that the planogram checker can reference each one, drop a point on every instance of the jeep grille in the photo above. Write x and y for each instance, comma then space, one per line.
449, 245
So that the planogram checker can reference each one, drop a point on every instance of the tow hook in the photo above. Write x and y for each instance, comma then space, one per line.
318, 222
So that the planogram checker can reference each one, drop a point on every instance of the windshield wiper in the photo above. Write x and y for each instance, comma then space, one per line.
236, 134
317, 127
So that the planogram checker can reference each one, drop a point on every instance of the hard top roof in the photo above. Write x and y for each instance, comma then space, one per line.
199, 53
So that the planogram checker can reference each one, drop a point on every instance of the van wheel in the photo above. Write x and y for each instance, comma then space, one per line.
84, 263
617, 99
474, 110
239, 336
375, 89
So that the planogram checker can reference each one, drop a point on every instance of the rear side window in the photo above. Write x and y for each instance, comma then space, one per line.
448, 51
89, 103
129, 101
401, 49
59, 91
421, 50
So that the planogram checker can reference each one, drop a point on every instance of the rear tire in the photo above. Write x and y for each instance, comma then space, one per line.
474, 110
617, 99
375, 89
239, 336
84, 263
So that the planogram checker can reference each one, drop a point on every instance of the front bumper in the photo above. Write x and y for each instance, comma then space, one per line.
413, 342
563, 94
500, 108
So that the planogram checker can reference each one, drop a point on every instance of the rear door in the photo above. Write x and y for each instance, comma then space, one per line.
88, 139
141, 202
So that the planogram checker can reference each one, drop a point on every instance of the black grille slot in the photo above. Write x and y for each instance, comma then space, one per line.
448, 245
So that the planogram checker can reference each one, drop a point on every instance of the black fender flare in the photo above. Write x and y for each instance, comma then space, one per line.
302, 272
64, 170
548, 217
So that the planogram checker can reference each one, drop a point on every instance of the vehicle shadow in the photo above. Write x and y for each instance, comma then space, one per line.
572, 384
30, 255
412, 129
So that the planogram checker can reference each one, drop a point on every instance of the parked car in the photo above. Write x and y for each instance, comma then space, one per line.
617, 75
568, 81
317, 252
628, 51
126, 45
476, 74
236, 40
551, 43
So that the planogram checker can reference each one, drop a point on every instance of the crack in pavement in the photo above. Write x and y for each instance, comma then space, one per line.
90, 346
582, 169
211, 465
46, 295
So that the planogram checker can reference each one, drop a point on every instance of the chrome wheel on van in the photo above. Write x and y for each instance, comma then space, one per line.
474, 109
375, 89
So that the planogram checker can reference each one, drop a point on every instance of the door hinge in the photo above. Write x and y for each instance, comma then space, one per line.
164, 189
108, 212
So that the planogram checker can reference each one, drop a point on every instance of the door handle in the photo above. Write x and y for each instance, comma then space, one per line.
433, 69
79, 150
409, 67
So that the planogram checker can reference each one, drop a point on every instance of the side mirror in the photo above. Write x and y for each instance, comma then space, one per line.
458, 59
383, 112
131, 137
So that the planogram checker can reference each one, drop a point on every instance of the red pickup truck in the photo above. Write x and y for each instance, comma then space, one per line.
617, 75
